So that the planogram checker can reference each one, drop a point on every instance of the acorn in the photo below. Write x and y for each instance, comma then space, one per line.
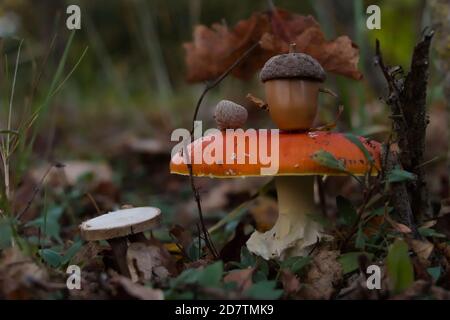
230, 115
292, 82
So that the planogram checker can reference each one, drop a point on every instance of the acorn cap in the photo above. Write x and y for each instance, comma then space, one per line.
292, 65
297, 152
230, 115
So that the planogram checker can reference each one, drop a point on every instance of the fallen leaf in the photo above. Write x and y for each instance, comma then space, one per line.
421, 289
339, 56
422, 248
72, 171
225, 193
356, 289
443, 224
290, 281
144, 261
444, 248
242, 278
213, 50
19, 274
398, 226
136, 290
183, 237
324, 272
149, 146
261, 104
416, 289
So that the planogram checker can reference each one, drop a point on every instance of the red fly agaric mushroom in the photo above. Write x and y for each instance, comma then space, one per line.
120, 227
295, 229
292, 82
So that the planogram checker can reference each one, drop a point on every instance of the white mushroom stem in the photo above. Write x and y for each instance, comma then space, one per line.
295, 231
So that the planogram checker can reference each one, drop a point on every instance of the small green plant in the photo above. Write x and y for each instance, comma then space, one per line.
17, 139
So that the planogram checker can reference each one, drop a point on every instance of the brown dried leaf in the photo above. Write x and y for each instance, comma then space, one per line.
422, 248
398, 226
183, 236
422, 289
213, 50
150, 146
19, 274
147, 260
257, 101
324, 272
443, 224
290, 281
136, 290
72, 171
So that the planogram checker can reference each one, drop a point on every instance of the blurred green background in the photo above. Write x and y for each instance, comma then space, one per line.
131, 80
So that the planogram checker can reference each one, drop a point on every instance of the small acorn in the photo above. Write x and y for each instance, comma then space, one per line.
292, 82
230, 115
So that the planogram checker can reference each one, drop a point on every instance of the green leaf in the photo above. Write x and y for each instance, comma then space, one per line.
399, 266
247, 258
428, 232
263, 266
72, 251
295, 264
346, 210
51, 257
361, 239
187, 276
49, 222
360, 145
380, 211
435, 272
399, 175
5, 233
326, 159
259, 276
349, 260
211, 275
264, 290
262, 270
193, 251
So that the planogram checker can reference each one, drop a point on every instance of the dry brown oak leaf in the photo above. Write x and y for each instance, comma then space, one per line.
213, 50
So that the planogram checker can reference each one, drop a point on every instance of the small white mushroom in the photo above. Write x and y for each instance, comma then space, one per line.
118, 227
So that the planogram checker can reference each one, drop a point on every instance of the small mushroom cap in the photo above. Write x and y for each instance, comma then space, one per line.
296, 153
292, 65
120, 223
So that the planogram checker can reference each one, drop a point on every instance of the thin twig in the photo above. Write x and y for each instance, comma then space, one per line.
36, 189
367, 195
208, 87
94, 203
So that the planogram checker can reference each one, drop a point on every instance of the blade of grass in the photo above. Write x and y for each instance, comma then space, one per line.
69, 74
43, 107
6, 150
